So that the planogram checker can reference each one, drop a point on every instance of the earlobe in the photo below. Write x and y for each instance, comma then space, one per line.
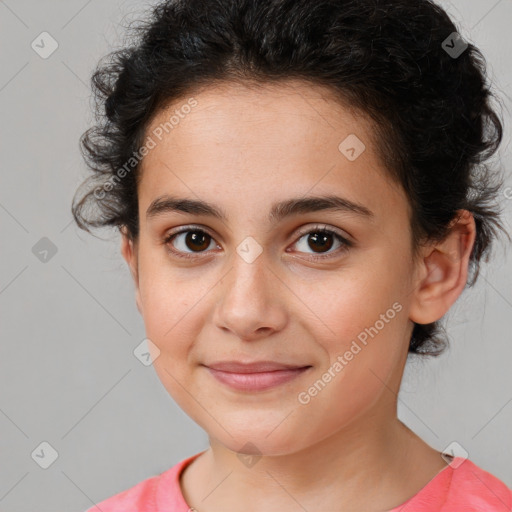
444, 271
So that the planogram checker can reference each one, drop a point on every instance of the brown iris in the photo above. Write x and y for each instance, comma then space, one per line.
323, 240
198, 240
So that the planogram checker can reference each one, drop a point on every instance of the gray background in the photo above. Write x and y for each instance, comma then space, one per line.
68, 375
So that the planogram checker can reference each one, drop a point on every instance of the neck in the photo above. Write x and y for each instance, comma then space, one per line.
366, 464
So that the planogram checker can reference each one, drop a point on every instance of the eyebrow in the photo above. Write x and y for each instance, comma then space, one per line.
279, 211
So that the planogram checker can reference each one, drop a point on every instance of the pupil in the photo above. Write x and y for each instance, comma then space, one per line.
322, 240
198, 238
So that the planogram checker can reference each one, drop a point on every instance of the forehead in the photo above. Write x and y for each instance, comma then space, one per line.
260, 143
290, 109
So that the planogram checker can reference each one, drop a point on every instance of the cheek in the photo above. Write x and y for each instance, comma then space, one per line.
171, 322
169, 305
367, 320
361, 305
169, 317
364, 362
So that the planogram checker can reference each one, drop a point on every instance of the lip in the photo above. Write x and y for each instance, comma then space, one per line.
254, 367
256, 376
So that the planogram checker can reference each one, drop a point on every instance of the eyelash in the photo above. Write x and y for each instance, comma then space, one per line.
345, 244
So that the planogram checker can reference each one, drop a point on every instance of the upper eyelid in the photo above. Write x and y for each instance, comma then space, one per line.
301, 231
323, 227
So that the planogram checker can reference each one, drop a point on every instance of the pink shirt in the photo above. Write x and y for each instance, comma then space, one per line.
464, 487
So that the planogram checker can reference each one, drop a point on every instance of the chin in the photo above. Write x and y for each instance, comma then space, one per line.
258, 441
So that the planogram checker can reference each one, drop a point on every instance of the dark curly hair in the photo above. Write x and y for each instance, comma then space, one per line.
434, 125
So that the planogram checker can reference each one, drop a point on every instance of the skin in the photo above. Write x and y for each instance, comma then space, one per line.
243, 149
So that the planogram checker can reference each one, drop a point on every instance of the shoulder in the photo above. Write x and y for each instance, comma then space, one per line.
150, 495
474, 489
139, 498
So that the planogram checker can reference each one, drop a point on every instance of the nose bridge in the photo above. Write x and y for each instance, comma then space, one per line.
249, 306
250, 272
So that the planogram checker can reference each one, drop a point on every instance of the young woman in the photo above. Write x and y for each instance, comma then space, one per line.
302, 193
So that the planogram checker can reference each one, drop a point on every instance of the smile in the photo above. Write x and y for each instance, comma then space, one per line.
256, 380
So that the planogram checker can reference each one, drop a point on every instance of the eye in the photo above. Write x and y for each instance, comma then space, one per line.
190, 242
320, 240
196, 239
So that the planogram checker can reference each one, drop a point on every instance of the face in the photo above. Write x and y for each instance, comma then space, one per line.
260, 280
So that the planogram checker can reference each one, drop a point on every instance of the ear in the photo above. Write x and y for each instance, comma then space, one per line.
443, 271
129, 250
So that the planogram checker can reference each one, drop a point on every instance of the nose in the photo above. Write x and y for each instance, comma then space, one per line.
252, 304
